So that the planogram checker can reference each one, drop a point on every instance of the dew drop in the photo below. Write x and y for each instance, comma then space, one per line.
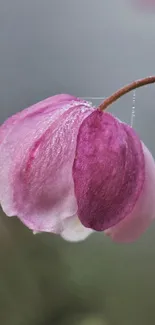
133, 108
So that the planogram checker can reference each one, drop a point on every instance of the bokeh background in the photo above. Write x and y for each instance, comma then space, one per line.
87, 48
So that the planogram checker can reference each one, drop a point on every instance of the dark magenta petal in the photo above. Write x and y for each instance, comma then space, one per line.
108, 171
141, 217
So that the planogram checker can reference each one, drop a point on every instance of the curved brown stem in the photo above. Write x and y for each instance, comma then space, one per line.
126, 89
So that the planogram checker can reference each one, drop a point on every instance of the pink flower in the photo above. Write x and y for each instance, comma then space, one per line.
71, 169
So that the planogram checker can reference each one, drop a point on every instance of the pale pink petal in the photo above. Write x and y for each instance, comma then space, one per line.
74, 231
39, 108
130, 228
20, 131
36, 158
108, 171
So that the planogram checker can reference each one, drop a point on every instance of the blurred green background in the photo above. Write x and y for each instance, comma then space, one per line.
45, 280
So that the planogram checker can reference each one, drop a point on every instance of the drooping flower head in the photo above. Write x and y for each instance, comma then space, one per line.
71, 169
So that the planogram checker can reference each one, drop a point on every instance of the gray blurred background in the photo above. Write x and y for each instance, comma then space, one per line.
87, 48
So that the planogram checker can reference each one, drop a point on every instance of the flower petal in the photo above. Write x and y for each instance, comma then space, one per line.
39, 108
36, 158
74, 231
143, 213
108, 171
